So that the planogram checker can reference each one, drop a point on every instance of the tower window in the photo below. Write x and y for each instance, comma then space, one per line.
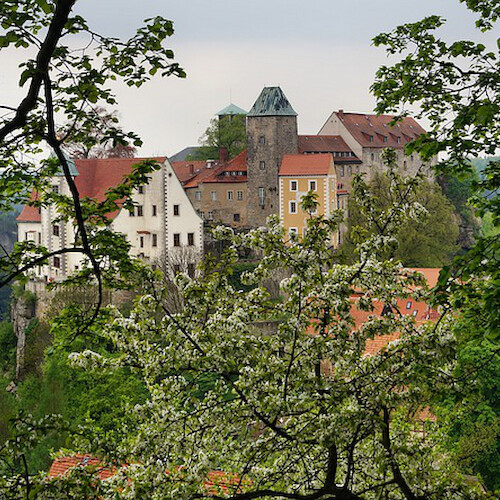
176, 210
293, 185
154, 241
139, 211
191, 239
141, 241
262, 139
293, 207
55, 230
262, 165
312, 185
141, 189
57, 262
262, 196
177, 239
154, 210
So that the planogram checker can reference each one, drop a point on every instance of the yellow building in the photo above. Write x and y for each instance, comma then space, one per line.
298, 175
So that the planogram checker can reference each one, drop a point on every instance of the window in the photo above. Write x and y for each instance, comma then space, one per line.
141, 241
55, 189
197, 195
372, 156
141, 189
191, 270
293, 185
262, 165
236, 217
213, 195
398, 139
239, 195
191, 239
415, 313
312, 185
262, 139
177, 268
202, 215
293, 207
411, 158
57, 262
55, 230
342, 171
154, 241
292, 231
408, 305
370, 138
357, 169
39, 238
210, 216
154, 211
177, 240
229, 195
262, 196
176, 210
385, 138
404, 164
139, 211
349, 170
132, 212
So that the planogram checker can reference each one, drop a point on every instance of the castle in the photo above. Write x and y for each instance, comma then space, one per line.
278, 167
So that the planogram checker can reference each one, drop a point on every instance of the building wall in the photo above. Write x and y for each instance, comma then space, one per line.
326, 189
269, 139
222, 210
152, 237
371, 157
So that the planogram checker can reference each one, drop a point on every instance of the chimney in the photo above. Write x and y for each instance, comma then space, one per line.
223, 155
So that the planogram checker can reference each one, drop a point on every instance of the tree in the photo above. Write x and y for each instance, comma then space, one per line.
96, 142
430, 242
69, 83
66, 78
456, 87
226, 132
299, 413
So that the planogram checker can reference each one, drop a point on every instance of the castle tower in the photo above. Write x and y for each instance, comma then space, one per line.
271, 134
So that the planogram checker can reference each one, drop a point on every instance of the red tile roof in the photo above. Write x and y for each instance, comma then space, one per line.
62, 464
317, 164
362, 127
29, 213
218, 173
217, 481
186, 170
95, 177
322, 144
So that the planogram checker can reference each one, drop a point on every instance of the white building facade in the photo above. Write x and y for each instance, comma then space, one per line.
163, 225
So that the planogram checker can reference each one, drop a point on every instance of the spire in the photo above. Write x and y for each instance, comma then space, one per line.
272, 102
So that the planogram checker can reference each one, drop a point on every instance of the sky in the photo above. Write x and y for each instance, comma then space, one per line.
318, 51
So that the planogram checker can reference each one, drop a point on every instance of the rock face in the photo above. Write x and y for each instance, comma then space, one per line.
23, 311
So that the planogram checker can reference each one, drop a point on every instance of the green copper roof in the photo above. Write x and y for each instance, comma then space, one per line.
72, 167
272, 102
232, 109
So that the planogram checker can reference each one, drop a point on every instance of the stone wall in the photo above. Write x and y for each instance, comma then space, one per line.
269, 138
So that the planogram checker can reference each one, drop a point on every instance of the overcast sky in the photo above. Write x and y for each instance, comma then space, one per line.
318, 51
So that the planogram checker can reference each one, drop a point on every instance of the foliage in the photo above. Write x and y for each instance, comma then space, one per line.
302, 413
456, 88
95, 140
429, 242
228, 132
